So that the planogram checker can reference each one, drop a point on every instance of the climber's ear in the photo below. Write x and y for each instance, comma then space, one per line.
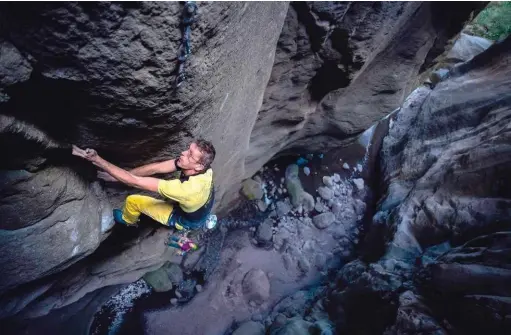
199, 167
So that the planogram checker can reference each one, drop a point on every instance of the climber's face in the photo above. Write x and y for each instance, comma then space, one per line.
191, 159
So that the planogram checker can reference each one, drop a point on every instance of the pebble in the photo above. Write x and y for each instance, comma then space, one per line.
173, 301
328, 181
359, 182
198, 287
307, 171
178, 294
346, 166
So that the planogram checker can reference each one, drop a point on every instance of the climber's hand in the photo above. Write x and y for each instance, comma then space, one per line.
88, 154
91, 154
106, 176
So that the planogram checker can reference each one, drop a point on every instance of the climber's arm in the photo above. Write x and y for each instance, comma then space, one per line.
155, 168
125, 177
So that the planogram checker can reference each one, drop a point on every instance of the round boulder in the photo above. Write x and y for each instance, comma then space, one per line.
256, 286
323, 220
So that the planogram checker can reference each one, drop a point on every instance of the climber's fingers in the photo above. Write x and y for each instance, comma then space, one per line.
79, 152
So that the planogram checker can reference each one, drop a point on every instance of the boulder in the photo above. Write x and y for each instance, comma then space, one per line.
323, 220
159, 280
326, 193
252, 189
256, 286
466, 47
264, 233
359, 183
296, 191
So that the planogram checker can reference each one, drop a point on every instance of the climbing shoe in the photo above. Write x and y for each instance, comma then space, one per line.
118, 218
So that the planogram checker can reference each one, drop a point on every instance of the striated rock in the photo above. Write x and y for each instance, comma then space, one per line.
444, 164
474, 280
256, 286
466, 47
413, 317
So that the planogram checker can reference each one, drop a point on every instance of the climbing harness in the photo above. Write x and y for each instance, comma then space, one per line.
189, 17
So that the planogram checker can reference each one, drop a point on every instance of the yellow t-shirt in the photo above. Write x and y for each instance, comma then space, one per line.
191, 194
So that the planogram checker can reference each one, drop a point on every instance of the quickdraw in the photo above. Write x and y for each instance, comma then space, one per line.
189, 17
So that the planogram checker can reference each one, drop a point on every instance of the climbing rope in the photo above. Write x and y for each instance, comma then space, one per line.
189, 17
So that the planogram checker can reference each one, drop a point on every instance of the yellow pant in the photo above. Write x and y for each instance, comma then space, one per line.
135, 205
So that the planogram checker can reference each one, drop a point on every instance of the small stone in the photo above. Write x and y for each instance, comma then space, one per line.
252, 303
178, 294
337, 178
282, 180
323, 220
346, 166
307, 171
264, 233
198, 287
279, 191
252, 229
262, 206
319, 207
328, 181
277, 169
283, 208
359, 167
325, 193
359, 183
173, 301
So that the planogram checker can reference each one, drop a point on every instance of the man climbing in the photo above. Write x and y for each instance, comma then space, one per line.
188, 200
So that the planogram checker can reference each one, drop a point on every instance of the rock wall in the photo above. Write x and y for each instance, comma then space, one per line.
341, 66
445, 174
101, 75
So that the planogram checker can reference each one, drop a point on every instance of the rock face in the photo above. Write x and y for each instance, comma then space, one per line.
106, 72
101, 75
340, 66
445, 173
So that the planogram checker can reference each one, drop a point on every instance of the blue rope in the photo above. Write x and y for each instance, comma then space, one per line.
189, 17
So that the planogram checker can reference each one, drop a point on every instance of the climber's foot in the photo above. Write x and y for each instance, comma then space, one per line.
118, 218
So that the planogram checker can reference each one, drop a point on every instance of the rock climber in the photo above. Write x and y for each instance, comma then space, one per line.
188, 200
